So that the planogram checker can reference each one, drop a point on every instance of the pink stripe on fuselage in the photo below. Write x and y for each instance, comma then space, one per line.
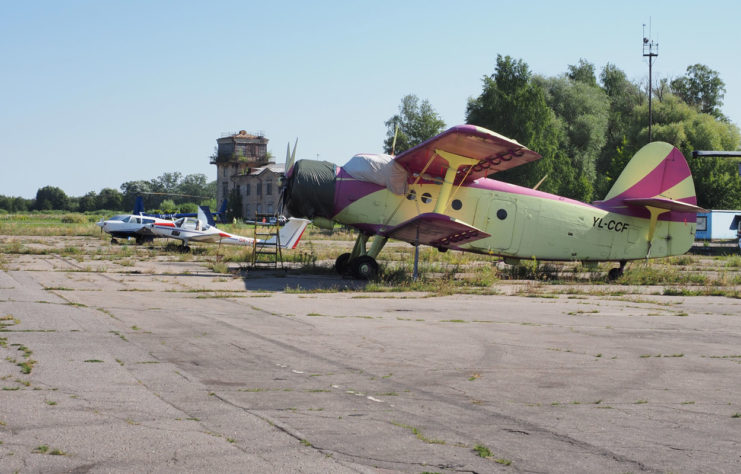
348, 190
502, 187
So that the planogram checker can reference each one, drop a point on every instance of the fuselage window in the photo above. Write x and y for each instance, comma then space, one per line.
426, 198
412, 195
502, 214
456, 204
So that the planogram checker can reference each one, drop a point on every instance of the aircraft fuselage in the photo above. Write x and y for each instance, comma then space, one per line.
522, 222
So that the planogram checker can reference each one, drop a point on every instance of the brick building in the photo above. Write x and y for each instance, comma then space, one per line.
243, 166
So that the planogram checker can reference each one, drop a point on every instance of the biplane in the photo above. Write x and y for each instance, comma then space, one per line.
439, 194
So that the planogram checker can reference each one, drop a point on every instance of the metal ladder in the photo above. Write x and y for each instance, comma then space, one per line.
266, 255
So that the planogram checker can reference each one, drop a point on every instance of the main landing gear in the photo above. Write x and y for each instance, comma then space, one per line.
361, 264
616, 273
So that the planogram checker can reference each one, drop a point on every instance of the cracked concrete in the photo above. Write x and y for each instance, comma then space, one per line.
174, 368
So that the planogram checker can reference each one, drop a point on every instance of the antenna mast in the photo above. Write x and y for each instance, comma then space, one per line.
650, 50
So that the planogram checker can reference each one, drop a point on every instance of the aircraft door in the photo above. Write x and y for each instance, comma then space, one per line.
501, 220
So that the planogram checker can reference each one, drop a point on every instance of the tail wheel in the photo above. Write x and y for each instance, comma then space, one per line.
342, 264
364, 268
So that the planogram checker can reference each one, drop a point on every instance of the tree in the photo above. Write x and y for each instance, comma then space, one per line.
51, 197
582, 72
167, 182
582, 111
624, 96
88, 202
168, 206
513, 105
109, 199
132, 189
701, 87
417, 122
193, 187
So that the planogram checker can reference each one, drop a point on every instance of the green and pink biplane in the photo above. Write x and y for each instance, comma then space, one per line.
439, 194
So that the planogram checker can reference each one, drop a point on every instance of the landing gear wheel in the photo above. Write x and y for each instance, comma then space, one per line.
364, 267
184, 249
139, 240
114, 241
614, 274
342, 264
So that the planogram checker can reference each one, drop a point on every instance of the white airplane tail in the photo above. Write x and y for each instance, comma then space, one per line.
290, 233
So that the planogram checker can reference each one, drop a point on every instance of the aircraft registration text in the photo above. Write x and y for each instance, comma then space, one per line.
617, 226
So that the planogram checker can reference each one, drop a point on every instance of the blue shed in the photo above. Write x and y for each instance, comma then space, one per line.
718, 225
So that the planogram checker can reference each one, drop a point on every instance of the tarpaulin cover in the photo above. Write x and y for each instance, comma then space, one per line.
310, 191
378, 169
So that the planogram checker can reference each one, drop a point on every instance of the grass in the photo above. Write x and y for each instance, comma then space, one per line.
418, 434
482, 451
447, 273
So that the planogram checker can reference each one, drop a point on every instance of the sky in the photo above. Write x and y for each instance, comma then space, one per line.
97, 93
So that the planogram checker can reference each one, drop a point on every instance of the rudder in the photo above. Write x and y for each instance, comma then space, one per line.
656, 170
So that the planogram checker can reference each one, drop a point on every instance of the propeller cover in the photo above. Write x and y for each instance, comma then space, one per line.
309, 191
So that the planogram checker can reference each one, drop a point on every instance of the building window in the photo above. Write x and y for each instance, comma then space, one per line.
247, 189
269, 188
259, 188
270, 208
702, 223
225, 190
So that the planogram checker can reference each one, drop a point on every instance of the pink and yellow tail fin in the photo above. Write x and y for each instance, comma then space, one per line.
657, 172
657, 185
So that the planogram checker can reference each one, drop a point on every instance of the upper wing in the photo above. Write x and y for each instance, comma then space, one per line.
494, 152
437, 230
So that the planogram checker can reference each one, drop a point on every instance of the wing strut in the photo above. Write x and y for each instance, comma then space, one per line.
454, 162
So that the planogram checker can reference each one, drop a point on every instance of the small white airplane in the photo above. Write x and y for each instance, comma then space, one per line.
190, 229
125, 226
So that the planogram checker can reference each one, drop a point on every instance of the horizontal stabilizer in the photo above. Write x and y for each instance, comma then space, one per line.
290, 233
436, 230
664, 203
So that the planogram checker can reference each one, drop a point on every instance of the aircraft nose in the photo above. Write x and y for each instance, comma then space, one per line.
309, 191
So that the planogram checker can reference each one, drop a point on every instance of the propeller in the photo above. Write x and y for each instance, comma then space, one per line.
290, 155
290, 161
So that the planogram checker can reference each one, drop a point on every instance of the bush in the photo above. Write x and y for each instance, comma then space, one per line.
75, 219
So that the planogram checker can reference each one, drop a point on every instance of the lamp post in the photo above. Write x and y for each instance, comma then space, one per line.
650, 50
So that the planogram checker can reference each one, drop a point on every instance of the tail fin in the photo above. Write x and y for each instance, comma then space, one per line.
290, 233
657, 185
221, 213
657, 172
204, 215
138, 206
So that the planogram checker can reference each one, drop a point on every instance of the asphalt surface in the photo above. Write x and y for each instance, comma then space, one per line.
164, 366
